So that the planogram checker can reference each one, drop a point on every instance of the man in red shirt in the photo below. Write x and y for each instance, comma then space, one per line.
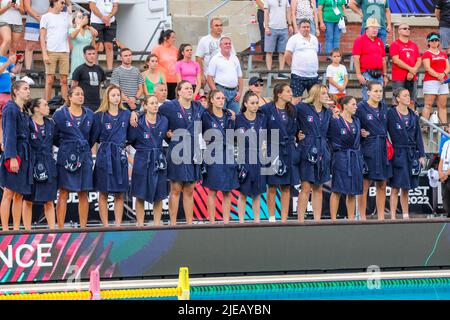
369, 57
406, 61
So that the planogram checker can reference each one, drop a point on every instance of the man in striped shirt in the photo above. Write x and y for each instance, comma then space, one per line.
129, 79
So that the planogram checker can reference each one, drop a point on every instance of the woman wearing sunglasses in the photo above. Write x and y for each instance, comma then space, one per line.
255, 85
437, 68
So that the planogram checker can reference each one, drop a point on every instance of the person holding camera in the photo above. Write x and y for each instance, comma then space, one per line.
11, 27
81, 35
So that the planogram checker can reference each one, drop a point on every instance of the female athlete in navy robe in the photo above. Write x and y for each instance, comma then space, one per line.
183, 171
221, 168
314, 119
281, 116
344, 135
373, 117
409, 154
44, 173
15, 165
111, 123
73, 136
252, 183
149, 176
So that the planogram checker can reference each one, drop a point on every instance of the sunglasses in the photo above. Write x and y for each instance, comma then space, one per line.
258, 84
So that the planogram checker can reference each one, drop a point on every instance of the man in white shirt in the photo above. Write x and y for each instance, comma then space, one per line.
104, 21
54, 28
225, 74
277, 19
301, 54
208, 47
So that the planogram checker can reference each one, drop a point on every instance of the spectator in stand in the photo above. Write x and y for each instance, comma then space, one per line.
444, 173
34, 9
305, 9
278, 28
129, 79
406, 62
54, 27
370, 57
167, 55
81, 36
337, 75
370, 9
161, 93
7, 66
152, 76
255, 85
187, 69
225, 74
260, 18
301, 54
104, 21
208, 47
436, 67
89, 76
442, 12
11, 27
330, 12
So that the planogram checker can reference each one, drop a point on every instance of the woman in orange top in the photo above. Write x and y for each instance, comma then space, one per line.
167, 55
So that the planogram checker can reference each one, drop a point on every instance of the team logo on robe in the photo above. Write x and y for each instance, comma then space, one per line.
34, 136
310, 119
215, 125
146, 135
68, 124
399, 126
343, 131
370, 116
123, 124
272, 118
108, 126
179, 115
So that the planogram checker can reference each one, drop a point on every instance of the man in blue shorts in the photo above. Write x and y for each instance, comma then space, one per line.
301, 54
278, 27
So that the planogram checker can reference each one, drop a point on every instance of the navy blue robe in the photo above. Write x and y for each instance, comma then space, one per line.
374, 146
408, 146
16, 133
148, 182
315, 132
255, 182
347, 159
42, 152
289, 153
111, 165
178, 119
220, 176
73, 140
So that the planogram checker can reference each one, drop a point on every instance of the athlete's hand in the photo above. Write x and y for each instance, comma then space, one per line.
364, 133
422, 161
14, 165
300, 135
134, 119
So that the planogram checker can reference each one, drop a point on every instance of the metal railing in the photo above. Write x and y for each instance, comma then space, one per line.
161, 22
210, 12
434, 129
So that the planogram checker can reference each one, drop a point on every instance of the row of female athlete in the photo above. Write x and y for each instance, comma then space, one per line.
317, 143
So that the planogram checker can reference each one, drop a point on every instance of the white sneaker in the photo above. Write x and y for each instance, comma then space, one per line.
272, 219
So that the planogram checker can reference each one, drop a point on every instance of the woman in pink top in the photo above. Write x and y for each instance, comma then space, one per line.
187, 69
167, 55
